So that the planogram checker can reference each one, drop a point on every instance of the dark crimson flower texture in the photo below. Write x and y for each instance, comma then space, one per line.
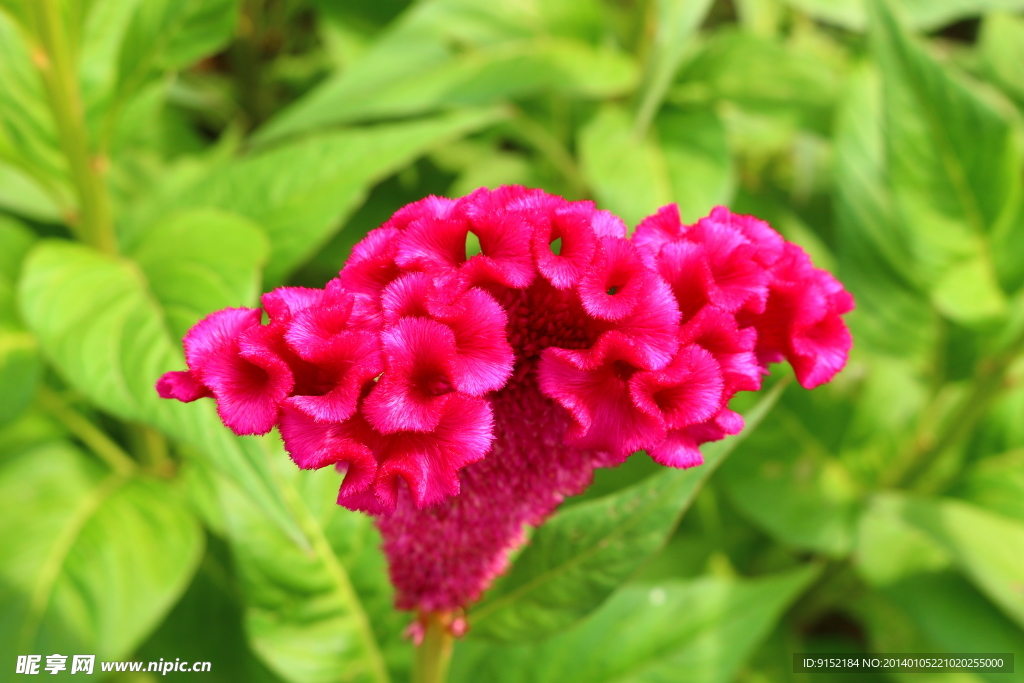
464, 397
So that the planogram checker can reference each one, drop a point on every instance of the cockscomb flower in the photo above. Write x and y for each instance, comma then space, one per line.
464, 396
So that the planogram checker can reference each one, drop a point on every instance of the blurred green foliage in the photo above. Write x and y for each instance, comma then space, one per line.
163, 158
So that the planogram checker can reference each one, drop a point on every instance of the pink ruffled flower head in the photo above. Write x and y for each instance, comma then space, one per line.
464, 397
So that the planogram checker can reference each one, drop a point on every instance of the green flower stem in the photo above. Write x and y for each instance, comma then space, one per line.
435, 652
53, 57
92, 436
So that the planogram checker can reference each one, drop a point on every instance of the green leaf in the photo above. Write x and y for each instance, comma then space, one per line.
954, 171
201, 261
706, 628
787, 482
988, 548
92, 562
20, 369
167, 35
798, 83
15, 241
889, 549
476, 78
677, 20
97, 322
576, 559
28, 136
685, 159
19, 358
996, 484
1002, 50
924, 15
206, 626
938, 612
894, 314
448, 53
303, 617
300, 193
25, 196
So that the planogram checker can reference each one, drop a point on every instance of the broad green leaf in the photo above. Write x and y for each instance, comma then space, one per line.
889, 549
677, 20
28, 135
15, 242
765, 78
19, 358
92, 562
786, 480
894, 314
32, 428
166, 35
97, 322
303, 617
1002, 49
300, 193
577, 558
684, 159
456, 52
702, 630
954, 169
475, 78
938, 612
15, 9
103, 31
206, 626
20, 368
987, 547
25, 196
996, 484
925, 15
201, 261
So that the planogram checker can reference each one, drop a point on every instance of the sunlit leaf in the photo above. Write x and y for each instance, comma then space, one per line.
165, 35
200, 261
648, 632
97, 322
986, 546
684, 159
92, 561
454, 53
300, 193
921, 14
954, 170
303, 616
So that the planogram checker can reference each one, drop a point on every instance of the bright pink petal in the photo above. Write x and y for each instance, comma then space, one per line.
313, 445
416, 385
687, 392
429, 463
345, 365
599, 400
483, 357
657, 230
572, 225
216, 333
284, 302
182, 386
718, 332
737, 277
614, 282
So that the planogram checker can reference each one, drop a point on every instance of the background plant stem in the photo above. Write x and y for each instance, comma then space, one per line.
55, 61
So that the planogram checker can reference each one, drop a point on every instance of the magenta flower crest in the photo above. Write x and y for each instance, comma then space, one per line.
465, 397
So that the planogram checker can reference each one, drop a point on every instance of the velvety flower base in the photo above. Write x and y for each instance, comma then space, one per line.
465, 397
